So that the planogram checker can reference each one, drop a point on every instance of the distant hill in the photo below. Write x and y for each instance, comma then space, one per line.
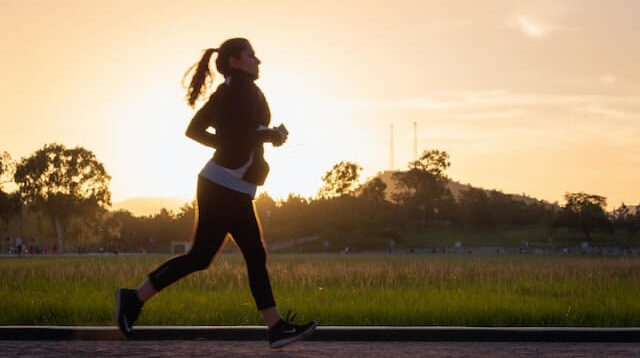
455, 187
143, 206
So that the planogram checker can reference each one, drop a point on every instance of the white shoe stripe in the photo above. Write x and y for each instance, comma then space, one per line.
282, 342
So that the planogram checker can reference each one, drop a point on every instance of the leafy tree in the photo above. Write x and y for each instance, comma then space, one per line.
433, 161
340, 180
87, 228
186, 218
10, 205
7, 169
424, 185
508, 211
475, 207
265, 206
187, 211
373, 191
165, 229
63, 183
546, 214
373, 212
623, 219
447, 208
585, 212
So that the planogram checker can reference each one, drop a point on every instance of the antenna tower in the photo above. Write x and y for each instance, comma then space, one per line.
391, 166
415, 141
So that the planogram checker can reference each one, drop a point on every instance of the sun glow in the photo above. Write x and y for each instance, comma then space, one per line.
106, 76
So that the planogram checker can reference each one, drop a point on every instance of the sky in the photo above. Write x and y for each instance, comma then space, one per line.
536, 97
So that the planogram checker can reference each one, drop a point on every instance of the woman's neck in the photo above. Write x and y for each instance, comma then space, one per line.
241, 75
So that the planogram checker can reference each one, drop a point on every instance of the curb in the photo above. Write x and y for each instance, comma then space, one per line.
330, 333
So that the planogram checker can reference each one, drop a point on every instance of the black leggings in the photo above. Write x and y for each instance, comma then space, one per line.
221, 211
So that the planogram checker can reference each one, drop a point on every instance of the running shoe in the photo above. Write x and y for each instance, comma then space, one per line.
284, 332
128, 308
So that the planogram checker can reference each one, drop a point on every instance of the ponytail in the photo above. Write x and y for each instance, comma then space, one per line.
202, 78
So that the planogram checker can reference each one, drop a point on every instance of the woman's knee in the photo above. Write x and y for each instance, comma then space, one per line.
257, 256
198, 261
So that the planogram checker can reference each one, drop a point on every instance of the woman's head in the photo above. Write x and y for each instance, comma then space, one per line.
235, 53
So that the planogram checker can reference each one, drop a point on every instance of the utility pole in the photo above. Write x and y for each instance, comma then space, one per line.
391, 167
415, 141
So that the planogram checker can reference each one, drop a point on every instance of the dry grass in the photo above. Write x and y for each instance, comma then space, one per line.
336, 290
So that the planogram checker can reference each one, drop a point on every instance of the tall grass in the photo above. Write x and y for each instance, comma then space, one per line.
335, 290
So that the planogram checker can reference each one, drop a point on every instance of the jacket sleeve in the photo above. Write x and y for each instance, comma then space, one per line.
201, 121
244, 105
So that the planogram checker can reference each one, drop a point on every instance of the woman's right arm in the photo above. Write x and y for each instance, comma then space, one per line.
197, 129
242, 107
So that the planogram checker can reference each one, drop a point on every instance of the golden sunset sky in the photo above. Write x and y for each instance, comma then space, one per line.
535, 97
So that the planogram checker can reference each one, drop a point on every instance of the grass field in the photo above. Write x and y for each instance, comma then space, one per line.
335, 290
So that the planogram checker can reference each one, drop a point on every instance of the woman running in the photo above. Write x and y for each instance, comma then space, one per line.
226, 187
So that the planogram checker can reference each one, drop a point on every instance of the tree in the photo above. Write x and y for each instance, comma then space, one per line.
10, 205
7, 169
373, 191
424, 185
63, 183
165, 228
433, 161
373, 211
508, 211
623, 219
87, 228
341, 180
475, 207
265, 206
585, 212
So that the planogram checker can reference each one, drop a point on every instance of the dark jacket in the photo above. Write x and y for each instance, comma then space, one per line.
236, 110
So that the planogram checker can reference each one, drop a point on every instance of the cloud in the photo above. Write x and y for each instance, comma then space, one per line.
612, 113
503, 104
531, 28
607, 79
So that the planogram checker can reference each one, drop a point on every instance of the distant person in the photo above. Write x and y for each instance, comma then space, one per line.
239, 113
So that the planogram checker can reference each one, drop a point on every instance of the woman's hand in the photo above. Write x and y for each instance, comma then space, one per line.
283, 132
276, 135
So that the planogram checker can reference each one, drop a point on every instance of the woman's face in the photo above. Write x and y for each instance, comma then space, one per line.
247, 61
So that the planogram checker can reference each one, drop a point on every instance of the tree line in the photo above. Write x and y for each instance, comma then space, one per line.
65, 193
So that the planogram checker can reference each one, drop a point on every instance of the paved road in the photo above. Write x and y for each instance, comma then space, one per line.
96, 349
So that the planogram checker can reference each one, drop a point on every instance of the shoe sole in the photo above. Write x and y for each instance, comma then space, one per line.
122, 323
284, 342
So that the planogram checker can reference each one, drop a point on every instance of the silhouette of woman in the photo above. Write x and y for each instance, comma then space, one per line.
239, 113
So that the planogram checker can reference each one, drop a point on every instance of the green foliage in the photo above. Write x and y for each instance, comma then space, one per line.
622, 218
481, 209
10, 205
341, 179
373, 191
423, 188
7, 169
433, 161
475, 208
63, 183
585, 212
